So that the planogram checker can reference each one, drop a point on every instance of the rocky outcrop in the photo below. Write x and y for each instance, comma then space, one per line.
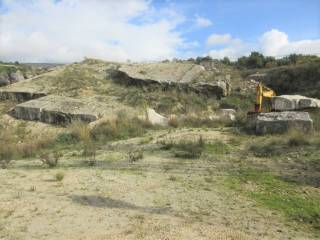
280, 122
20, 96
57, 110
182, 76
293, 103
155, 118
16, 76
4, 79
7, 78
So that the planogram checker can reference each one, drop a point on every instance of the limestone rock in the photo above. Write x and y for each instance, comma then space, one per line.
4, 79
227, 114
182, 76
280, 122
155, 118
57, 110
20, 96
294, 102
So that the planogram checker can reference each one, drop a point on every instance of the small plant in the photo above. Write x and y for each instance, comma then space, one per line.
185, 149
59, 176
173, 122
135, 155
89, 152
50, 160
172, 178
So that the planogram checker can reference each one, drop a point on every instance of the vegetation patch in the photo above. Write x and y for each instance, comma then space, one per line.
273, 192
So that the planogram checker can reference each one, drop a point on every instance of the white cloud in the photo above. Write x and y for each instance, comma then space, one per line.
272, 43
232, 47
202, 22
276, 43
45, 31
219, 39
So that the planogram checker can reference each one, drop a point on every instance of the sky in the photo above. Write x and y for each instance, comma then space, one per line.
64, 31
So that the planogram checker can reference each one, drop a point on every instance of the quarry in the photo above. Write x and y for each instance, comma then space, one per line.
180, 149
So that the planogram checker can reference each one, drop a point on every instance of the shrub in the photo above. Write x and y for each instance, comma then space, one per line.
66, 138
8, 147
185, 149
173, 122
80, 130
59, 176
135, 155
296, 138
89, 152
120, 128
50, 160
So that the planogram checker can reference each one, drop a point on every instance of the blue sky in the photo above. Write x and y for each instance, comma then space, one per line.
140, 30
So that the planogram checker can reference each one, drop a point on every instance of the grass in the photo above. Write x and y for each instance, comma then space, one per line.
286, 197
272, 146
185, 149
120, 128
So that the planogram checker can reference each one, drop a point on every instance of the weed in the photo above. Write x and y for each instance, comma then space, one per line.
89, 152
172, 178
80, 131
185, 149
173, 122
135, 155
59, 176
7, 147
66, 138
50, 160
120, 128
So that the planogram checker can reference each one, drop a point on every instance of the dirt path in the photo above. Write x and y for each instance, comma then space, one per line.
159, 197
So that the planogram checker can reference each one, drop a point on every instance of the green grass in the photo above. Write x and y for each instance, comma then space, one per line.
276, 194
217, 147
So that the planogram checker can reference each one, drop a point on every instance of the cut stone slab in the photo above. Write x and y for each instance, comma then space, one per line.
59, 110
20, 96
183, 76
155, 118
293, 102
280, 122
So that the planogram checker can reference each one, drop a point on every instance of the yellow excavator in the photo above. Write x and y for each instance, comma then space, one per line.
262, 92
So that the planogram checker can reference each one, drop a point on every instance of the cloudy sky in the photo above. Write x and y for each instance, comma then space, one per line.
143, 30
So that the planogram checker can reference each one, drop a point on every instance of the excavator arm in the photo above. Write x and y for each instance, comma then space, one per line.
262, 91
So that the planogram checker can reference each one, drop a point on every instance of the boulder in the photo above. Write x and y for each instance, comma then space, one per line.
20, 96
155, 118
227, 114
4, 79
58, 110
182, 76
293, 102
280, 122
16, 76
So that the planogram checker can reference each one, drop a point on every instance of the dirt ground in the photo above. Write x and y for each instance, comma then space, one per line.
157, 197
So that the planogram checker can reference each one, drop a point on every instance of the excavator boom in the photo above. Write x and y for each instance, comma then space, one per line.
262, 92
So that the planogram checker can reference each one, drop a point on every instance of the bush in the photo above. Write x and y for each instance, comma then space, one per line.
89, 152
50, 160
8, 147
66, 138
135, 155
80, 130
120, 128
185, 149
59, 176
296, 139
